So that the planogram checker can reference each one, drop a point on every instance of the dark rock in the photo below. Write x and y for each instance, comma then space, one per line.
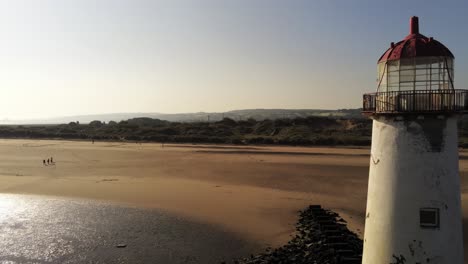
321, 237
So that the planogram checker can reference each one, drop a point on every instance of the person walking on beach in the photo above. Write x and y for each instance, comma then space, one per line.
43, 162
47, 161
51, 160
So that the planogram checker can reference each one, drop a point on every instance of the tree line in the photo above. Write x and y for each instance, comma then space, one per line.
307, 131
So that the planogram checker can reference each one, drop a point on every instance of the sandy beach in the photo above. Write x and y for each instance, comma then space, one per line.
252, 191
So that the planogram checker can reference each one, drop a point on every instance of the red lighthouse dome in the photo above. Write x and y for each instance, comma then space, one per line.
415, 45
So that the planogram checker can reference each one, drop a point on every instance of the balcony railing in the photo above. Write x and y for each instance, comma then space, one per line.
417, 101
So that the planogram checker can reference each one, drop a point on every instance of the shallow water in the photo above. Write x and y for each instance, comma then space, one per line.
37, 229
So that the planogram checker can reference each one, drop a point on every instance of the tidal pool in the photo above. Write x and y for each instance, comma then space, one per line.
38, 229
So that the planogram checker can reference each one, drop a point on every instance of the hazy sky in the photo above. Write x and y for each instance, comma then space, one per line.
81, 57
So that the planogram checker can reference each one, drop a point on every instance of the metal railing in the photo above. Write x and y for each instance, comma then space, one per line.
417, 101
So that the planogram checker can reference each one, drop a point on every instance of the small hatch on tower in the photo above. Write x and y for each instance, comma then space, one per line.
429, 217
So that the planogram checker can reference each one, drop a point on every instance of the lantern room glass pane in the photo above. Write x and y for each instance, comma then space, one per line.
424, 73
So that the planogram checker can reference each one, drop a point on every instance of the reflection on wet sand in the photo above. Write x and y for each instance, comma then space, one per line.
39, 229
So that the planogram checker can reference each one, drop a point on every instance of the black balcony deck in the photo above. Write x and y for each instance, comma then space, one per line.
416, 101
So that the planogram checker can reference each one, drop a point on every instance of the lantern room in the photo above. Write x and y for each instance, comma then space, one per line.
415, 75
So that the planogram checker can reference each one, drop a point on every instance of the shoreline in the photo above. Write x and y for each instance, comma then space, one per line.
256, 226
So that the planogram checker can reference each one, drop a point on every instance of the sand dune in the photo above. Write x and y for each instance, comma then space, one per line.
253, 191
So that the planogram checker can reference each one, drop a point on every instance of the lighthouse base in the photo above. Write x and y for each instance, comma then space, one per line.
413, 201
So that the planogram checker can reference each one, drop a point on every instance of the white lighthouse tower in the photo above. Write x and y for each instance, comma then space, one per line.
413, 201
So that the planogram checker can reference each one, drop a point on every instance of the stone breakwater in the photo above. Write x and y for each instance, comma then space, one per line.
322, 237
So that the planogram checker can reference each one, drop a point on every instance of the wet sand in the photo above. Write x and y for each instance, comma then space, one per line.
38, 229
254, 192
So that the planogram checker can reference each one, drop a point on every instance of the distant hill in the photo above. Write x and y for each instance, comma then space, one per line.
257, 114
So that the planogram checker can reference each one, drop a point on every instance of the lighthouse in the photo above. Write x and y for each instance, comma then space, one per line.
413, 202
